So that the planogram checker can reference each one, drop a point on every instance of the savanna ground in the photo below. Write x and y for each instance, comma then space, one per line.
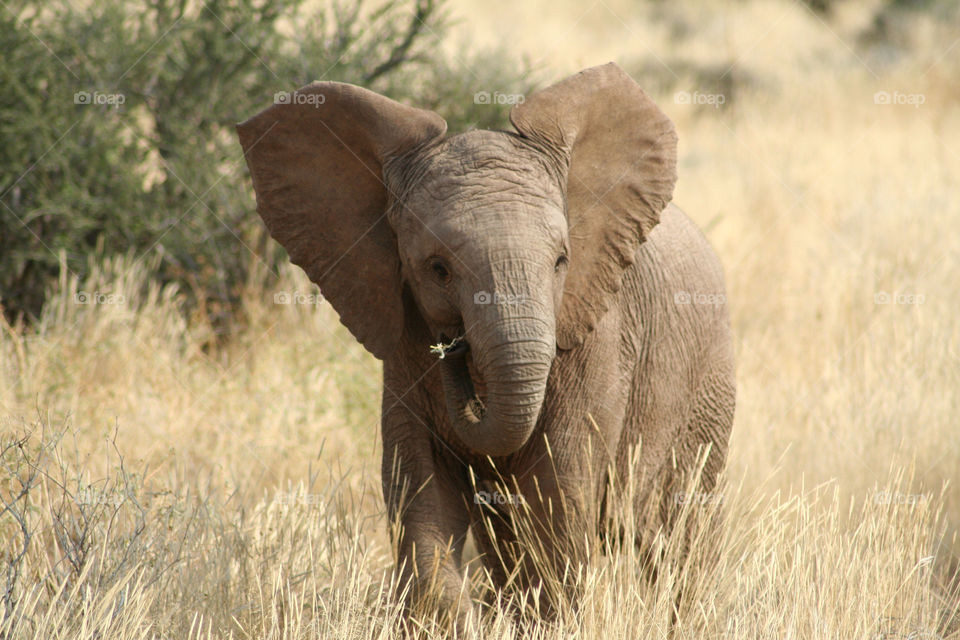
170, 483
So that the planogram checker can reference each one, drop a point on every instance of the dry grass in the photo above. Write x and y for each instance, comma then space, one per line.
183, 491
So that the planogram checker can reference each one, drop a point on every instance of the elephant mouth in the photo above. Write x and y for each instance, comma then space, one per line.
461, 371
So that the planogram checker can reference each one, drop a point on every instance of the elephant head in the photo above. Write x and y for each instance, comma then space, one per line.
515, 243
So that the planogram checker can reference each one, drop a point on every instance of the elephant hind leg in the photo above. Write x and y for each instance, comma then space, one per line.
702, 450
673, 422
708, 430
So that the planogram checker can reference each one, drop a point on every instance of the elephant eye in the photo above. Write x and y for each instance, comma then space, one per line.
561, 261
440, 270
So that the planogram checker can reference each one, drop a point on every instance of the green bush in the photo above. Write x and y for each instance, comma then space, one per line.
117, 125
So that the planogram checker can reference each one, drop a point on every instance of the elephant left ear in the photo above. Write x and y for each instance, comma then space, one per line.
620, 156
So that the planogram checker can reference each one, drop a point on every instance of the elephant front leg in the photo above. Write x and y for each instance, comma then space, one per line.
428, 527
527, 545
557, 482
536, 524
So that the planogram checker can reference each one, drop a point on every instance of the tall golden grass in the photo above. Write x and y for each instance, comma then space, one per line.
173, 485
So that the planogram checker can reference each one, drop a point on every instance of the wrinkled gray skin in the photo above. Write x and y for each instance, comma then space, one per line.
608, 327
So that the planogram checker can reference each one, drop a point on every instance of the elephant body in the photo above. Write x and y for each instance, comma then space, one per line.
658, 369
554, 334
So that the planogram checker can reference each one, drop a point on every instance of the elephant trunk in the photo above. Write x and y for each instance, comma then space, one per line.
514, 370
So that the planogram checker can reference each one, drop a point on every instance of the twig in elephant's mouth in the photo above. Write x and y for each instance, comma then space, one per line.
445, 345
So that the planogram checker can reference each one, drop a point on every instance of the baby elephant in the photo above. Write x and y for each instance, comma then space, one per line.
550, 327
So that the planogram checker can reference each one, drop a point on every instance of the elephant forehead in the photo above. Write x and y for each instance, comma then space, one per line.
486, 166
468, 204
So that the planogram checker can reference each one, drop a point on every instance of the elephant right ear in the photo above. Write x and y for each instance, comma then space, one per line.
620, 155
316, 159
